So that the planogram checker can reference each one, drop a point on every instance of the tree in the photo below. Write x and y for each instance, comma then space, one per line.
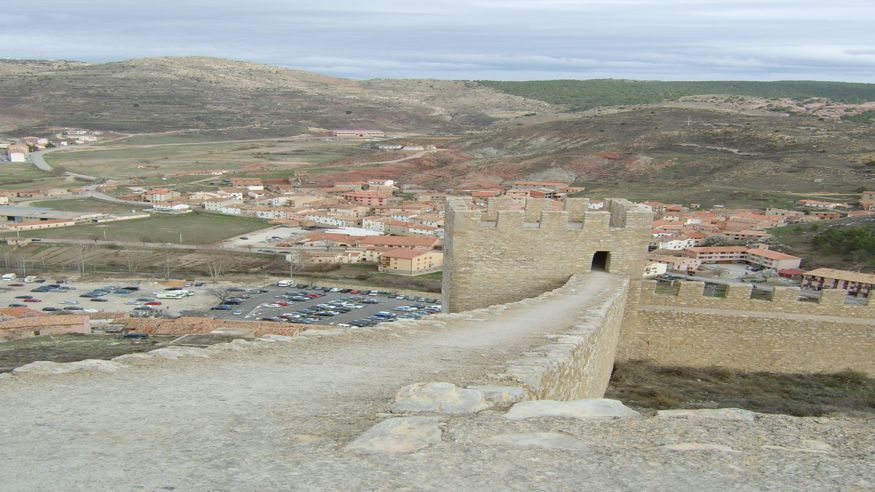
716, 240
81, 257
167, 264
133, 262
216, 266
222, 294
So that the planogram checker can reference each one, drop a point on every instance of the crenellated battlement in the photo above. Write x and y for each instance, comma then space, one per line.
542, 214
741, 298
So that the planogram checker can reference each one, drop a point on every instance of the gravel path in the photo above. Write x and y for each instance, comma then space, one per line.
222, 422
278, 417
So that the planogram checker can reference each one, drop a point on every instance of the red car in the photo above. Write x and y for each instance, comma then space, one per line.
314, 296
355, 291
32, 299
16, 285
153, 303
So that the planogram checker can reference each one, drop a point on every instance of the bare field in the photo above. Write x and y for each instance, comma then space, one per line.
194, 228
143, 161
85, 205
23, 175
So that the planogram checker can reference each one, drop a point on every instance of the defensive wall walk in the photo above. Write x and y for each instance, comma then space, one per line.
278, 414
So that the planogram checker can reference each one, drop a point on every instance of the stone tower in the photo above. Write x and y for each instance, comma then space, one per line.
501, 255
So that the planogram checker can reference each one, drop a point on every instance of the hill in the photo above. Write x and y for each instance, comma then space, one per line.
699, 155
162, 94
579, 95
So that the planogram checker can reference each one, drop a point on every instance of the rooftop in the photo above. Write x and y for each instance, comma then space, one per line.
866, 278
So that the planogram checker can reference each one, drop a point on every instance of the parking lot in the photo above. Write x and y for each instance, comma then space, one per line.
117, 300
275, 304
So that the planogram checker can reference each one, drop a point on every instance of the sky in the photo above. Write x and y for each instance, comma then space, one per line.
474, 39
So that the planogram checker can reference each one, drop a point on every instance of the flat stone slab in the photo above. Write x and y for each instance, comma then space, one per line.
398, 435
444, 398
698, 446
174, 353
276, 338
46, 367
501, 396
711, 413
577, 409
545, 440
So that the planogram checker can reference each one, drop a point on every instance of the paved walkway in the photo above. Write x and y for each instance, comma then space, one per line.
273, 417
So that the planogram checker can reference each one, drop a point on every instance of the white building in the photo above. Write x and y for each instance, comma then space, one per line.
676, 243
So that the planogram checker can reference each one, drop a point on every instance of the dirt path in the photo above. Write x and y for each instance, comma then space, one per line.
204, 423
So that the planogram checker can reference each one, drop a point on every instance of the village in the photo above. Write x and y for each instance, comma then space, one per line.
394, 228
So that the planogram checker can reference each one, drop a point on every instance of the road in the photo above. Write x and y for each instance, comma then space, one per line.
39, 161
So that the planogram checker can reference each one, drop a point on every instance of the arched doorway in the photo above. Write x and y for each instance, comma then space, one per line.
601, 261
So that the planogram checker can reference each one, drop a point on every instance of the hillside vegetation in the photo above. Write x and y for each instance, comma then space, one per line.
847, 244
180, 93
691, 155
579, 95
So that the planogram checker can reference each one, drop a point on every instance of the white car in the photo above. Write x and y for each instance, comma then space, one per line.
69, 302
89, 310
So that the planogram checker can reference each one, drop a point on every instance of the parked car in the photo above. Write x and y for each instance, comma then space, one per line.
99, 299
32, 299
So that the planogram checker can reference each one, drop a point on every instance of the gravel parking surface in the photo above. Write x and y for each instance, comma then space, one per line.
257, 306
116, 303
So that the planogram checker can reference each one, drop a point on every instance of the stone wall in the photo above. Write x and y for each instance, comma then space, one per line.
778, 335
194, 325
501, 255
578, 363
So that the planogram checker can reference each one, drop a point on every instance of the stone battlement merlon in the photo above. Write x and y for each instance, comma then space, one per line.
738, 297
540, 214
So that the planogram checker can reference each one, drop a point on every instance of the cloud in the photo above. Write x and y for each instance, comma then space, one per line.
469, 39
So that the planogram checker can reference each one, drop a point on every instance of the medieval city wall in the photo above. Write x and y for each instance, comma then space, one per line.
500, 255
577, 363
783, 334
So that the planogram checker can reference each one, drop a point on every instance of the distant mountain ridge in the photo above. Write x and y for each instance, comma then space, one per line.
179, 93
175, 93
580, 95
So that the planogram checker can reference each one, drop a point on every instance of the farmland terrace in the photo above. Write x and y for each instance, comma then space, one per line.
250, 415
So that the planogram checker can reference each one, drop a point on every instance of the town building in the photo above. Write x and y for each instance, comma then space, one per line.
17, 153
160, 195
740, 254
827, 278
410, 262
